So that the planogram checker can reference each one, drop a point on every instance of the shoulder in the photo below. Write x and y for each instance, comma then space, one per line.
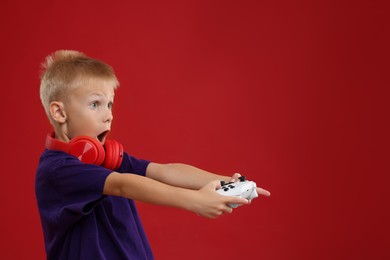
58, 166
50, 160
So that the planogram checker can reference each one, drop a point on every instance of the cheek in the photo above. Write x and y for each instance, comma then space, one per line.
81, 120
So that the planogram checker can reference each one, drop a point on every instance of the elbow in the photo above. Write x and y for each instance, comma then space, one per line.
113, 186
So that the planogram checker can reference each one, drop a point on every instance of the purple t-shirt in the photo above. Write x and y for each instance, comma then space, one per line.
78, 221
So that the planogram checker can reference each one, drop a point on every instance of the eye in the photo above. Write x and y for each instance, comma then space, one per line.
110, 104
94, 104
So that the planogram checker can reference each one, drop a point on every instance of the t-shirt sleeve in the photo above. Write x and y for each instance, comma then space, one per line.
131, 164
67, 188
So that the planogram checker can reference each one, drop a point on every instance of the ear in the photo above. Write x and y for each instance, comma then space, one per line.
57, 112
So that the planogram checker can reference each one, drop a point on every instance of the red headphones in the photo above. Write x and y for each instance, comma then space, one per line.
90, 150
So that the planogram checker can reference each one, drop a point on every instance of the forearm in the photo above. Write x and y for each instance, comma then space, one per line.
182, 175
143, 189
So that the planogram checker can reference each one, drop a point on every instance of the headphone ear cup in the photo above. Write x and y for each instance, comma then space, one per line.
114, 154
87, 150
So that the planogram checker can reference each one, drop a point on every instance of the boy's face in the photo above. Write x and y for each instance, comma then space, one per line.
89, 110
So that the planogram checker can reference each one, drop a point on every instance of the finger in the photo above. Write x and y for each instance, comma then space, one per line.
214, 185
228, 210
224, 210
217, 185
236, 200
235, 177
263, 192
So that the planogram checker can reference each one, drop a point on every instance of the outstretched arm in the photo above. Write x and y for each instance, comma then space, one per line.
189, 177
182, 175
204, 202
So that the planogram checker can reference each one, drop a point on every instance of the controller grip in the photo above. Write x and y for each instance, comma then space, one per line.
253, 195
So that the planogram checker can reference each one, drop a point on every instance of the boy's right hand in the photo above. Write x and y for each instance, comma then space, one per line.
208, 203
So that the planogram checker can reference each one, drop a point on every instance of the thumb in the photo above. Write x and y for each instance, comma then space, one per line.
235, 177
214, 185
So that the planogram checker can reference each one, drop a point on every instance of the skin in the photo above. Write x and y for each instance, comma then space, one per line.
88, 111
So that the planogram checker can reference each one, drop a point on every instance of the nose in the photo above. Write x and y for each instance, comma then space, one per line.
108, 117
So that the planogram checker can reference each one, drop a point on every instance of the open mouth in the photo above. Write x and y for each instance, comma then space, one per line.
102, 136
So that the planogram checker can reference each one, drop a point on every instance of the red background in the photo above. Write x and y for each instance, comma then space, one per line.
292, 94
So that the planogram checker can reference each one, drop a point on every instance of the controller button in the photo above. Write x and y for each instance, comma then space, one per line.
242, 178
226, 189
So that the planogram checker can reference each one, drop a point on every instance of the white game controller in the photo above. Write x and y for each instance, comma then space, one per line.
243, 189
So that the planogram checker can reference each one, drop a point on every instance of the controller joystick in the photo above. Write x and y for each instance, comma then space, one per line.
243, 189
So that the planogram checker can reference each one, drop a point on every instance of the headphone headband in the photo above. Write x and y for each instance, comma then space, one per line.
54, 144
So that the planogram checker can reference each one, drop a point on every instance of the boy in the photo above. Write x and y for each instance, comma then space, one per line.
85, 192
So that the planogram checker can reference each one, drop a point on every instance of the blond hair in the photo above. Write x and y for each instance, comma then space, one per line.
64, 70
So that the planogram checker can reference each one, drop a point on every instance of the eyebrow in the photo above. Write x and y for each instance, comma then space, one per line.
99, 95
